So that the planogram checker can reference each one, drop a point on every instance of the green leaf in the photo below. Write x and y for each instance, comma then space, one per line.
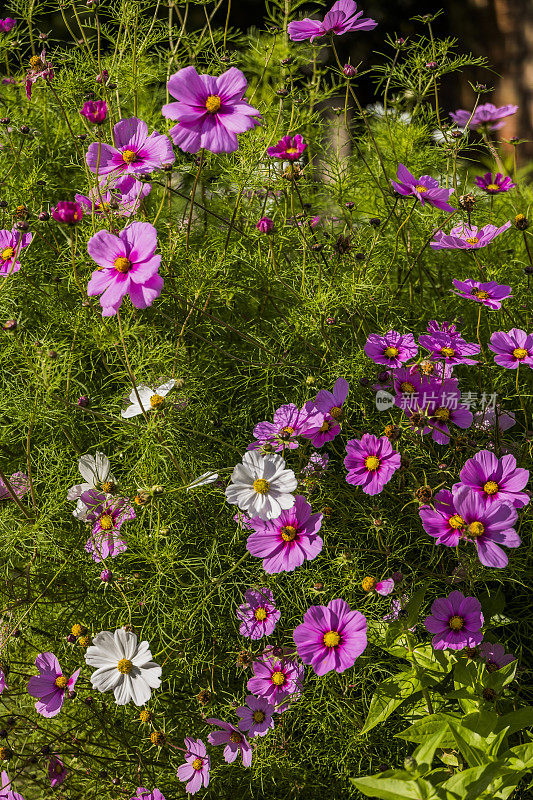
389, 695
471, 744
499, 678
430, 659
426, 752
492, 604
413, 607
429, 725
396, 785
516, 720
471, 783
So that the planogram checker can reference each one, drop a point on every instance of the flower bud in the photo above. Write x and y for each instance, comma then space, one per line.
521, 222
265, 225
95, 111
44, 216
68, 212
349, 71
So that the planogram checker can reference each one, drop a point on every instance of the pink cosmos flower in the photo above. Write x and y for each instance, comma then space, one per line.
494, 184
317, 464
6, 790
331, 402
210, 112
443, 327
20, 484
442, 522
265, 225
494, 656
94, 111
107, 514
235, 741
7, 24
490, 294
286, 542
289, 423
318, 427
145, 794
486, 115
426, 189
341, 18
453, 349
197, 766
3, 683
331, 637
259, 614
11, 243
456, 621
513, 349
392, 349
289, 148
384, 587
123, 197
67, 212
436, 409
134, 153
50, 686
128, 266
276, 679
57, 772
39, 68
467, 237
256, 716
371, 462
495, 480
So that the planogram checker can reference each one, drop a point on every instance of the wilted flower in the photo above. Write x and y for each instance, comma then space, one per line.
265, 225
95, 111
39, 68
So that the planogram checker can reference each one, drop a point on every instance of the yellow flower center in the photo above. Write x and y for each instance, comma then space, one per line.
258, 716
291, 150
235, 737
61, 682
286, 432
331, 639
7, 253
213, 103
106, 522
456, 623
447, 351
493, 187
476, 529
122, 264
519, 353
391, 352
278, 678
491, 487
372, 463
125, 666
261, 486
368, 583
481, 294
129, 156
107, 486
442, 413
336, 412
288, 533
197, 764
456, 522
472, 240
407, 388
36, 61
421, 189
156, 401
260, 614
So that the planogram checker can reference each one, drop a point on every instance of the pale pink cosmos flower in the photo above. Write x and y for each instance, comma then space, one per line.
122, 197
134, 152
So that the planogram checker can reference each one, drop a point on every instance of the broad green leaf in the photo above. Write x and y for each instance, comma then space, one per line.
413, 607
427, 726
465, 673
426, 752
472, 745
389, 695
430, 659
471, 783
499, 678
390, 786
521, 756
516, 720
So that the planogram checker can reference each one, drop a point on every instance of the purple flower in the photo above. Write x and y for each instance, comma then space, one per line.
128, 266
265, 225
210, 112
3, 682
289, 422
289, 148
453, 349
436, 409
144, 794
6, 791
494, 656
371, 462
39, 68
489, 294
396, 610
51, 685
107, 515
341, 18
512, 349
467, 237
259, 614
134, 153
286, 542
318, 427
456, 621
196, 767
331, 637
106, 576
393, 349
331, 402
68, 212
487, 525
95, 111
123, 197
57, 772
494, 184
426, 189
276, 679
103, 77
235, 741
11, 243
20, 484
495, 480
443, 327
7, 24
443, 522
487, 115
317, 464
256, 716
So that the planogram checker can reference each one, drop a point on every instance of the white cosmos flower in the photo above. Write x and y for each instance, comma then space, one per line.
202, 480
95, 471
124, 666
261, 486
151, 399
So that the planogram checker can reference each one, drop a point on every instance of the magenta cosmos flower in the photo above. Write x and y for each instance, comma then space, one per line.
486, 115
128, 265
490, 294
195, 771
123, 197
11, 243
145, 794
39, 68
7, 24
443, 327
256, 716
443, 522
512, 349
331, 637
438, 407
259, 614
392, 349
68, 212
494, 656
289, 148
495, 480
494, 184
331, 402
3, 683
289, 423
467, 237
371, 462
50, 686
426, 189
94, 111
265, 225
57, 772
286, 542
318, 427
107, 514
235, 741
6, 790
453, 349
276, 679
456, 621
210, 112
134, 152
342, 17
